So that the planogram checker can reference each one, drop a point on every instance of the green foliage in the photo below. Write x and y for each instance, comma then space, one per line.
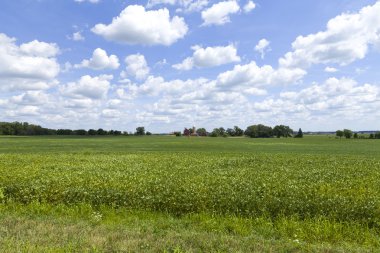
24, 128
342, 187
236, 131
259, 131
218, 132
40, 227
311, 190
2, 196
140, 130
299, 134
92, 132
339, 133
201, 132
347, 133
282, 131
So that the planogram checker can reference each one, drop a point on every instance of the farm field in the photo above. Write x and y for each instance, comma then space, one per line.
170, 194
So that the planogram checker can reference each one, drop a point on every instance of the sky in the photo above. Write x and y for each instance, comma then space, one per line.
170, 64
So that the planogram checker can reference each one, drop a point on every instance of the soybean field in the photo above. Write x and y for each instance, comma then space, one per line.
179, 194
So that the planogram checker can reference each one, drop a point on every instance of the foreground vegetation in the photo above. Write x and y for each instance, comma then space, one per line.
189, 194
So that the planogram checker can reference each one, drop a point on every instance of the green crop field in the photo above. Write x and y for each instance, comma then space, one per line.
178, 194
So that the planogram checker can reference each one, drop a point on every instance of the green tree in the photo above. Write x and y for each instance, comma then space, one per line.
347, 133
282, 131
201, 131
230, 132
80, 132
356, 135
218, 132
100, 131
299, 134
339, 133
259, 131
238, 131
140, 130
92, 132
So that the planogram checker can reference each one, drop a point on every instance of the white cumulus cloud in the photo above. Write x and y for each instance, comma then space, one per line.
209, 57
347, 38
135, 25
249, 6
30, 66
77, 36
330, 70
219, 13
253, 75
100, 60
88, 87
262, 47
137, 66
184, 5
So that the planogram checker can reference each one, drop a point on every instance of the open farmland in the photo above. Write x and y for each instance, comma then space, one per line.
157, 194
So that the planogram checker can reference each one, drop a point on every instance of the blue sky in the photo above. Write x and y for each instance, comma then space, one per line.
170, 64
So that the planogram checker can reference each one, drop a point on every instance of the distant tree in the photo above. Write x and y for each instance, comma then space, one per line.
371, 136
214, 133
201, 131
64, 132
238, 131
148, 133
377, 135
282, 131
231, 132
80, 132
24, 128
259, 131
125, 133
347, 133
299, 134
339, 133
140, 130
222, 131
178, 134
100, 131
356, 135
92, 132
219, 132
186, 132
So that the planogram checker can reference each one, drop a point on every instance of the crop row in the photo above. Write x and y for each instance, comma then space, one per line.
344, 188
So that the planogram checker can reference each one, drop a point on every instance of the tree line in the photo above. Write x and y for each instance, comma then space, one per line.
254, 131
348, 134
24, 128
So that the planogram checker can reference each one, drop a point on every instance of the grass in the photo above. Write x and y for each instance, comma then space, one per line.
168, 194
39, 227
